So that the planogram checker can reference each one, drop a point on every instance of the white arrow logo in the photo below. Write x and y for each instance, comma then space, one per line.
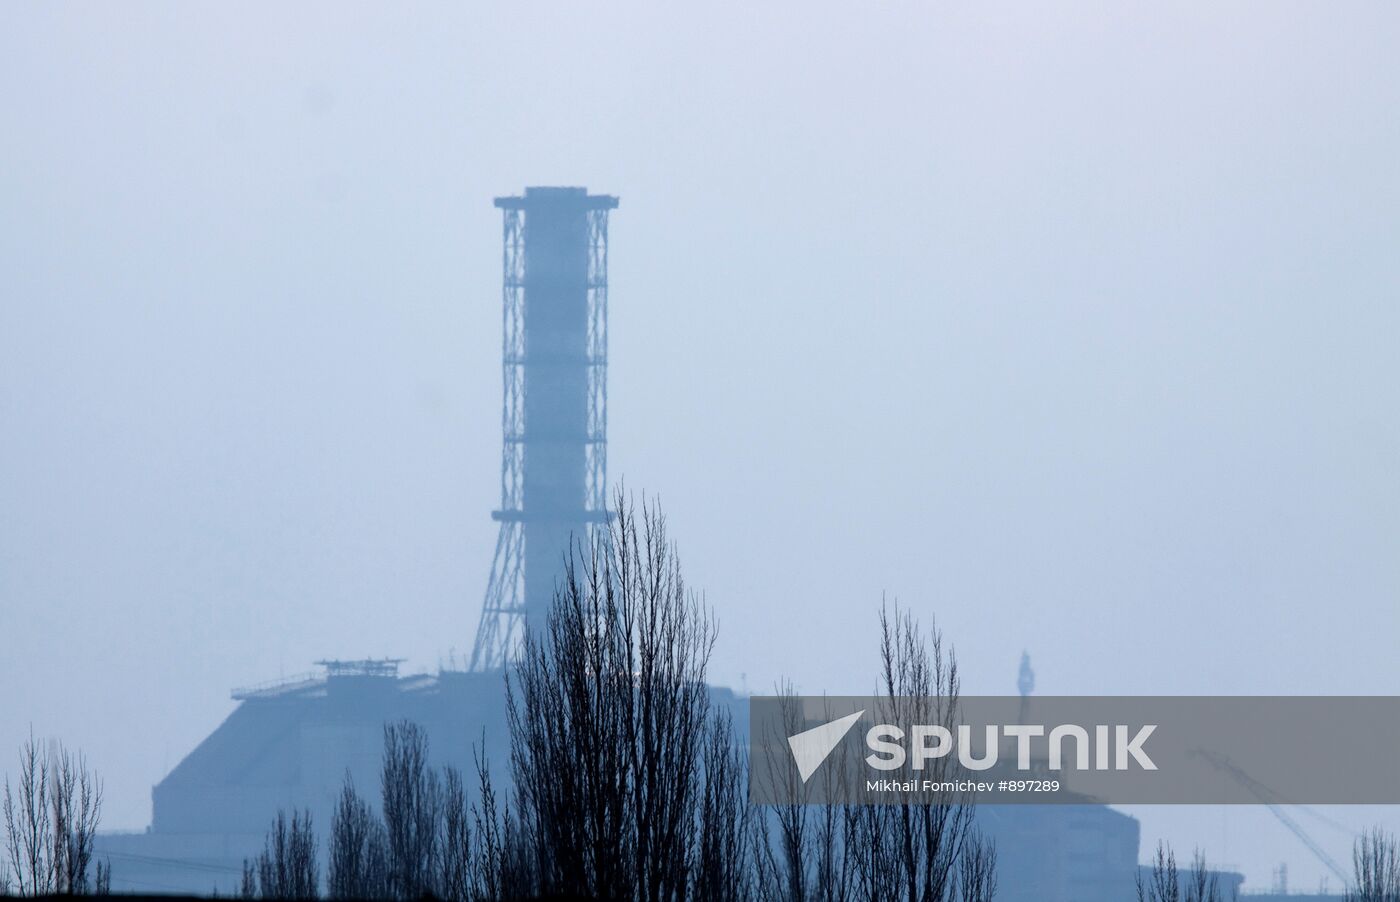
811, 747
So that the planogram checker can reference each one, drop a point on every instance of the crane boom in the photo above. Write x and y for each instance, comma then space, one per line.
1274, 802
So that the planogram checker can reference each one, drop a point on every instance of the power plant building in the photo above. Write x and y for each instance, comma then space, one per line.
291, 744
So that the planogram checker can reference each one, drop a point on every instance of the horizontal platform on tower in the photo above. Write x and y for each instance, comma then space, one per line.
575, 438
555, 360
558, 197
515, 515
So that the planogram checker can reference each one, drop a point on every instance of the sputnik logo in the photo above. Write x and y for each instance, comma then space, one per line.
811, 747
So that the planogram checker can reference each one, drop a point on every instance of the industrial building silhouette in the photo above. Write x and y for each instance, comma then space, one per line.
554, 415
292, 743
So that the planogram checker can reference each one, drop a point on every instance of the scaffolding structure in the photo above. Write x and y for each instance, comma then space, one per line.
554, 419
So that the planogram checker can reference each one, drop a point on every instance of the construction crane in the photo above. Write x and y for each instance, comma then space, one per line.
1274, 802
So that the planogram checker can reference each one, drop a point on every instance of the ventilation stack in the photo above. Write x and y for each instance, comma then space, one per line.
554, 417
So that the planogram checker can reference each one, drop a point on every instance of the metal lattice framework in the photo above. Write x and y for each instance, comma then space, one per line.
506, 608
597, 447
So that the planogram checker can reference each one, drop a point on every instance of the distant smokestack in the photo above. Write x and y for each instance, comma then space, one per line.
554, 418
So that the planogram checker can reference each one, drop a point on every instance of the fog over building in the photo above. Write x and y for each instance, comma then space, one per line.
291, 743
1073, 327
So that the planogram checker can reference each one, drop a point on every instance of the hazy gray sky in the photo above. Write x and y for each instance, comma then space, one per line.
1074, 325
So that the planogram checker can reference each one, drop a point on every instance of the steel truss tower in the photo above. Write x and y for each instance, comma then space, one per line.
554, 363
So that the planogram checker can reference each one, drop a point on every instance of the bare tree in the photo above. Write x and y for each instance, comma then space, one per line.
359, 858
102, 881
248, 885
1203, 884
499, 871
50, 820
723, 863
909, 850
28, 839
1166, 883
977, 870
834, 867
412, 810
455, 856
801, 851
1376, 863
609, 714
628, 783
782, 843
287, 867
925, 848
75, 800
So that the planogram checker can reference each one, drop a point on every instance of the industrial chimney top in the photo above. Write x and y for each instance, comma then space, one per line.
578, 198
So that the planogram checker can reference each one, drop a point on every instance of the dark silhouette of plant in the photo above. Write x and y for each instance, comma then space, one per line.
358, 867
248, 885
724, 862
412, 805
438, 852
27, 837
287, 867
924, 848
1376, 865
910, 850
1167, 885
801, 851
628, 780
499, 871
1202, 884
455, 855
102, 881
50, 820
609, 716
977, 869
